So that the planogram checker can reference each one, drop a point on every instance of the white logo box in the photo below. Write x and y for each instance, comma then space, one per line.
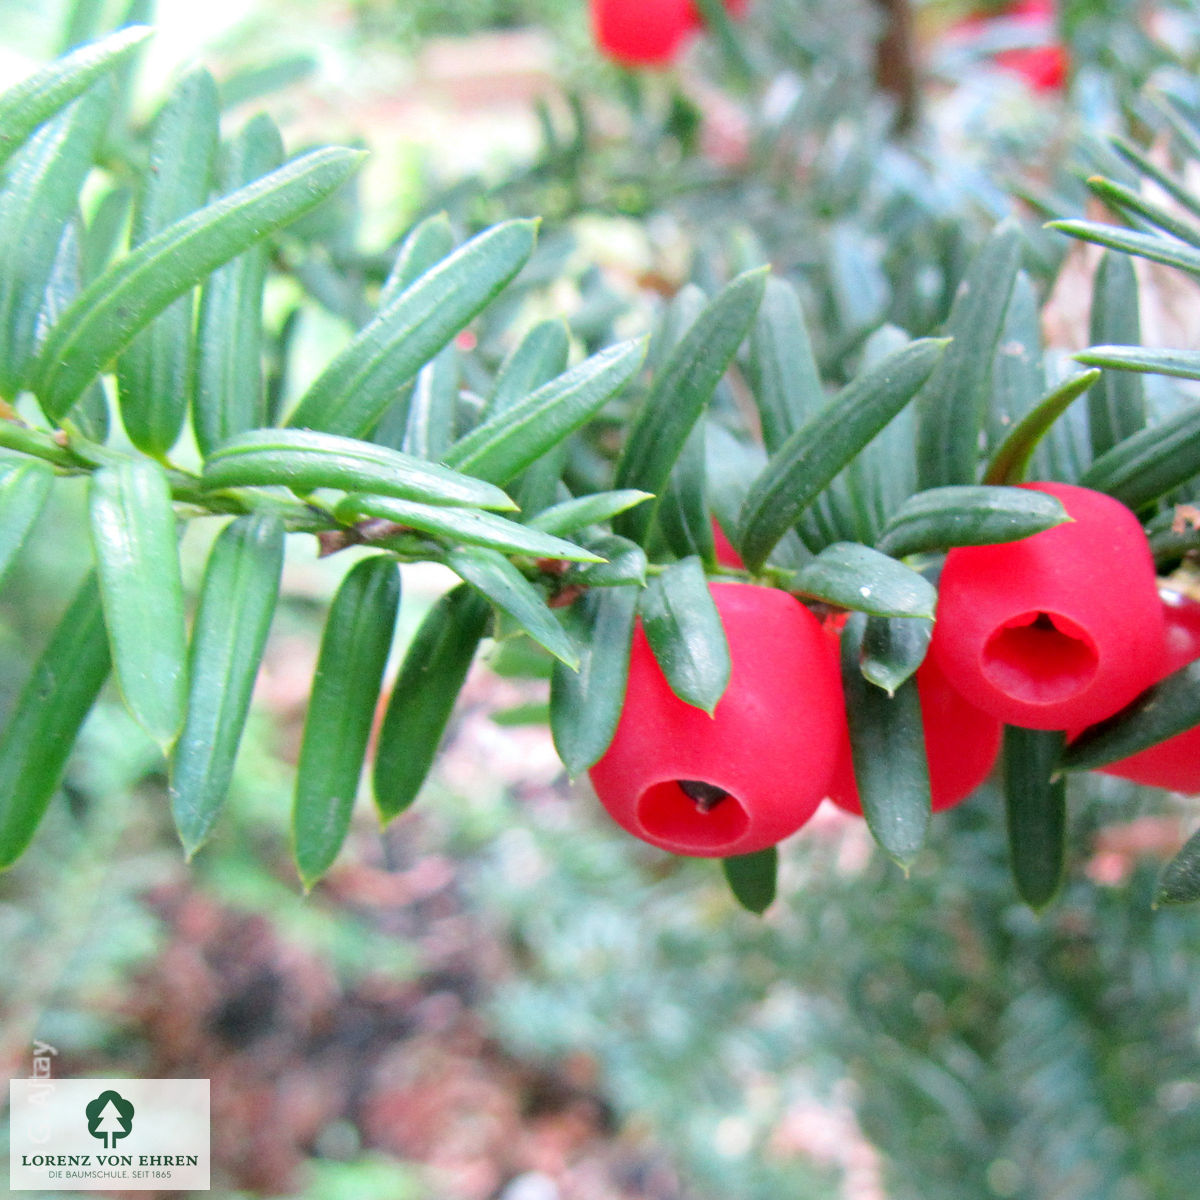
161, 1145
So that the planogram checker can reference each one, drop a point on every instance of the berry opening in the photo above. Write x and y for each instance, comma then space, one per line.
1040, 658
693, 814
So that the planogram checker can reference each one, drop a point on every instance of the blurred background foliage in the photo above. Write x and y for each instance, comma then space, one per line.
500, 996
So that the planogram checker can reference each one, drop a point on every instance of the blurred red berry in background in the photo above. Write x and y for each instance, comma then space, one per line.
1059, 629
755, 771
642, 33
961, 745
648, 33
1042, 62
1043, 67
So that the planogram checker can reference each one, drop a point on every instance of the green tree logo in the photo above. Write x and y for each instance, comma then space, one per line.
109, 1117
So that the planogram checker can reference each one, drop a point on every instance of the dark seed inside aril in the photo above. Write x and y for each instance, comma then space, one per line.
706, 795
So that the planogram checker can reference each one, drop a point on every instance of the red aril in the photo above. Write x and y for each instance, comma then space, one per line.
755, 771
1175, 763
642, 33
648, 33
1056, 630
961, 745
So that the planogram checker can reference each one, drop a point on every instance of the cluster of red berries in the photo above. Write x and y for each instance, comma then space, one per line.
648, 33
1056, 631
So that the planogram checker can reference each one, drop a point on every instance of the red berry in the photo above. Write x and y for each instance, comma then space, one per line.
648, 33
1175, 763
1059, 629
1044, 68
961, 745
755, 771
1043, 63
642, 33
